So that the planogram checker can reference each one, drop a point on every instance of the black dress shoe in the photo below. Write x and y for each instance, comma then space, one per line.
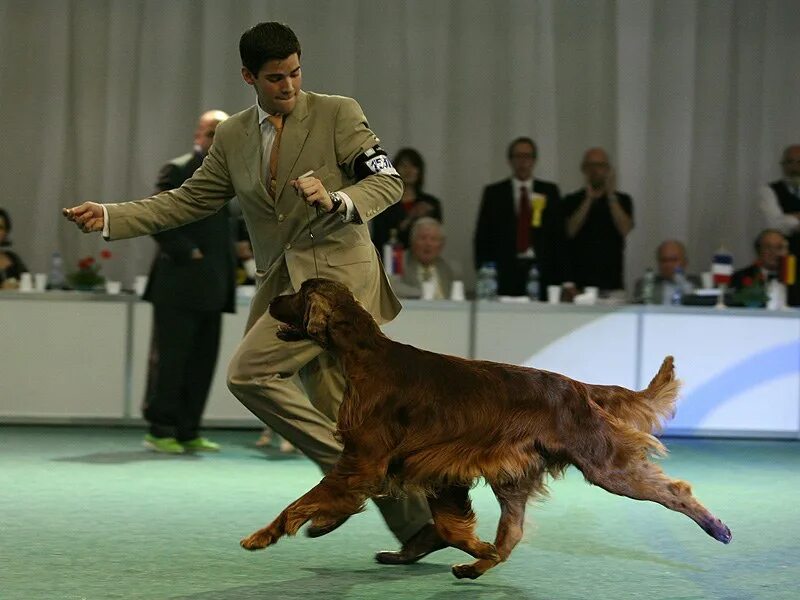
419, 545
313, 531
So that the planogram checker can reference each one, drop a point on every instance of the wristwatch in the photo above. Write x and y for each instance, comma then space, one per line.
336, 200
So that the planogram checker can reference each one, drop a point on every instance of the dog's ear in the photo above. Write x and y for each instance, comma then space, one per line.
316, 318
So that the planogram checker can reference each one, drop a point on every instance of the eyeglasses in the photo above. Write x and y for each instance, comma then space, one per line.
595, 164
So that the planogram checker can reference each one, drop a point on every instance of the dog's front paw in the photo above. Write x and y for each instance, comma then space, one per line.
466, 571
257, 541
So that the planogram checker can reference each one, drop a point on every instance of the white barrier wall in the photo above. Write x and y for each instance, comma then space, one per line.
77, 357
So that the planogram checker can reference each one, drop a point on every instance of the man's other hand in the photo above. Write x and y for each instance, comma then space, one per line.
87, 216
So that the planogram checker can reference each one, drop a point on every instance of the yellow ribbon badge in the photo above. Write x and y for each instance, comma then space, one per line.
539, 203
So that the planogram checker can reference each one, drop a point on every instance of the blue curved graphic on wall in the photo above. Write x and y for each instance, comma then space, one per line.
755, 370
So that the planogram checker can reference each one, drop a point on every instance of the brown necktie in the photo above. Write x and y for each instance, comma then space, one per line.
277, 122
524, 221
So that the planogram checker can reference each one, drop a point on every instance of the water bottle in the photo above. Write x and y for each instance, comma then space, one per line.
56, 278
533, 285
649, 287
481, 292
491, 281
679, 287
389, 254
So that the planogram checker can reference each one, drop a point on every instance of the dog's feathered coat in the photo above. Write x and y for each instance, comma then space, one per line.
417, 419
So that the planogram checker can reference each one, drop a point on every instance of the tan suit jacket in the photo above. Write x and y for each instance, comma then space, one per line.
324, 134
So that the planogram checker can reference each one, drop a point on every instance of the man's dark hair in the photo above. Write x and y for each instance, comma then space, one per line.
415, 158
523, 140
764, 233
265, 42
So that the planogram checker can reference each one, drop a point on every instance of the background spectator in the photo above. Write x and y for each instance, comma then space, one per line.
780, 203
11, 265
670, 255
770, 246
599, 218
424, 262
414, 204
520, 220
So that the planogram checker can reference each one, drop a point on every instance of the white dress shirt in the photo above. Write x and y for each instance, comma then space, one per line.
775, 218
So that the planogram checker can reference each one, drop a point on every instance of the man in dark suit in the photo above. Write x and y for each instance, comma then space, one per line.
192, 282
520, 222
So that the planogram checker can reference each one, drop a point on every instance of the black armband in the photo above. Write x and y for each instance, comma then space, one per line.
373, 162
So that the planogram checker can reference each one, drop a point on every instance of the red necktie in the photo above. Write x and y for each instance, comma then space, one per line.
524, 221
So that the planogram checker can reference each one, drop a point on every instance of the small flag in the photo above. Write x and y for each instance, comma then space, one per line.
722, 267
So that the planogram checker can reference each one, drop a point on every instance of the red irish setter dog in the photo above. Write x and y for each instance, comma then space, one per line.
412, 419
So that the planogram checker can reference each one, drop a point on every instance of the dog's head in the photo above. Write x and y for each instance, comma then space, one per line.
308, 313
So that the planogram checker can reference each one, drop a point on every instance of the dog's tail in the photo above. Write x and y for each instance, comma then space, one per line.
648, 409
655, 405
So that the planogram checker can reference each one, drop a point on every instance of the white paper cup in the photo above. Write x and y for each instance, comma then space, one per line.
553, 294
457, 291
707, 279
591, 291
113, 287
40, 282
140, 284
428, 290
25, 282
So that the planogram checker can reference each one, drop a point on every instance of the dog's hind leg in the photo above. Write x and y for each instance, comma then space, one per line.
640, 479
455, 522
512, 498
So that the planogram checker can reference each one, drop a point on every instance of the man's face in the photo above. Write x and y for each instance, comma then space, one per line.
670, 257
773, 246
427, 245
204, 134
791, 162
596, 168
522, 161
277, 84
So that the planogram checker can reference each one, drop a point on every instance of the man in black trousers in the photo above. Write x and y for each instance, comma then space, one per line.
521, 223
192, 282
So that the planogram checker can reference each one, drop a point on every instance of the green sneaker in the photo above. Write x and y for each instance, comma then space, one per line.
200, 445
165, 445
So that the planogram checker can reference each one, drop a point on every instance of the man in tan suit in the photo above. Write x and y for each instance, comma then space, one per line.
263, 155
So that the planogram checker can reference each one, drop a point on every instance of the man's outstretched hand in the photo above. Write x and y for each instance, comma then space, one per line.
87, 216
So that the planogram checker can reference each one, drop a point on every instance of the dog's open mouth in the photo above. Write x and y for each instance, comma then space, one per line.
290, 332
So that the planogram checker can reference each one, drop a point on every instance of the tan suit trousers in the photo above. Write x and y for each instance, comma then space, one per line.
262, 375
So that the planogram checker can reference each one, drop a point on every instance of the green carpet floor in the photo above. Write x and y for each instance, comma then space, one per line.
85, 513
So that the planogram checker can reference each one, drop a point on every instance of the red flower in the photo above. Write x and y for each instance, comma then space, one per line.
747, 281
105, 254
89, 260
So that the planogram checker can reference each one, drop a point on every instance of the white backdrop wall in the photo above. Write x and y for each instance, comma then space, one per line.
693, 99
